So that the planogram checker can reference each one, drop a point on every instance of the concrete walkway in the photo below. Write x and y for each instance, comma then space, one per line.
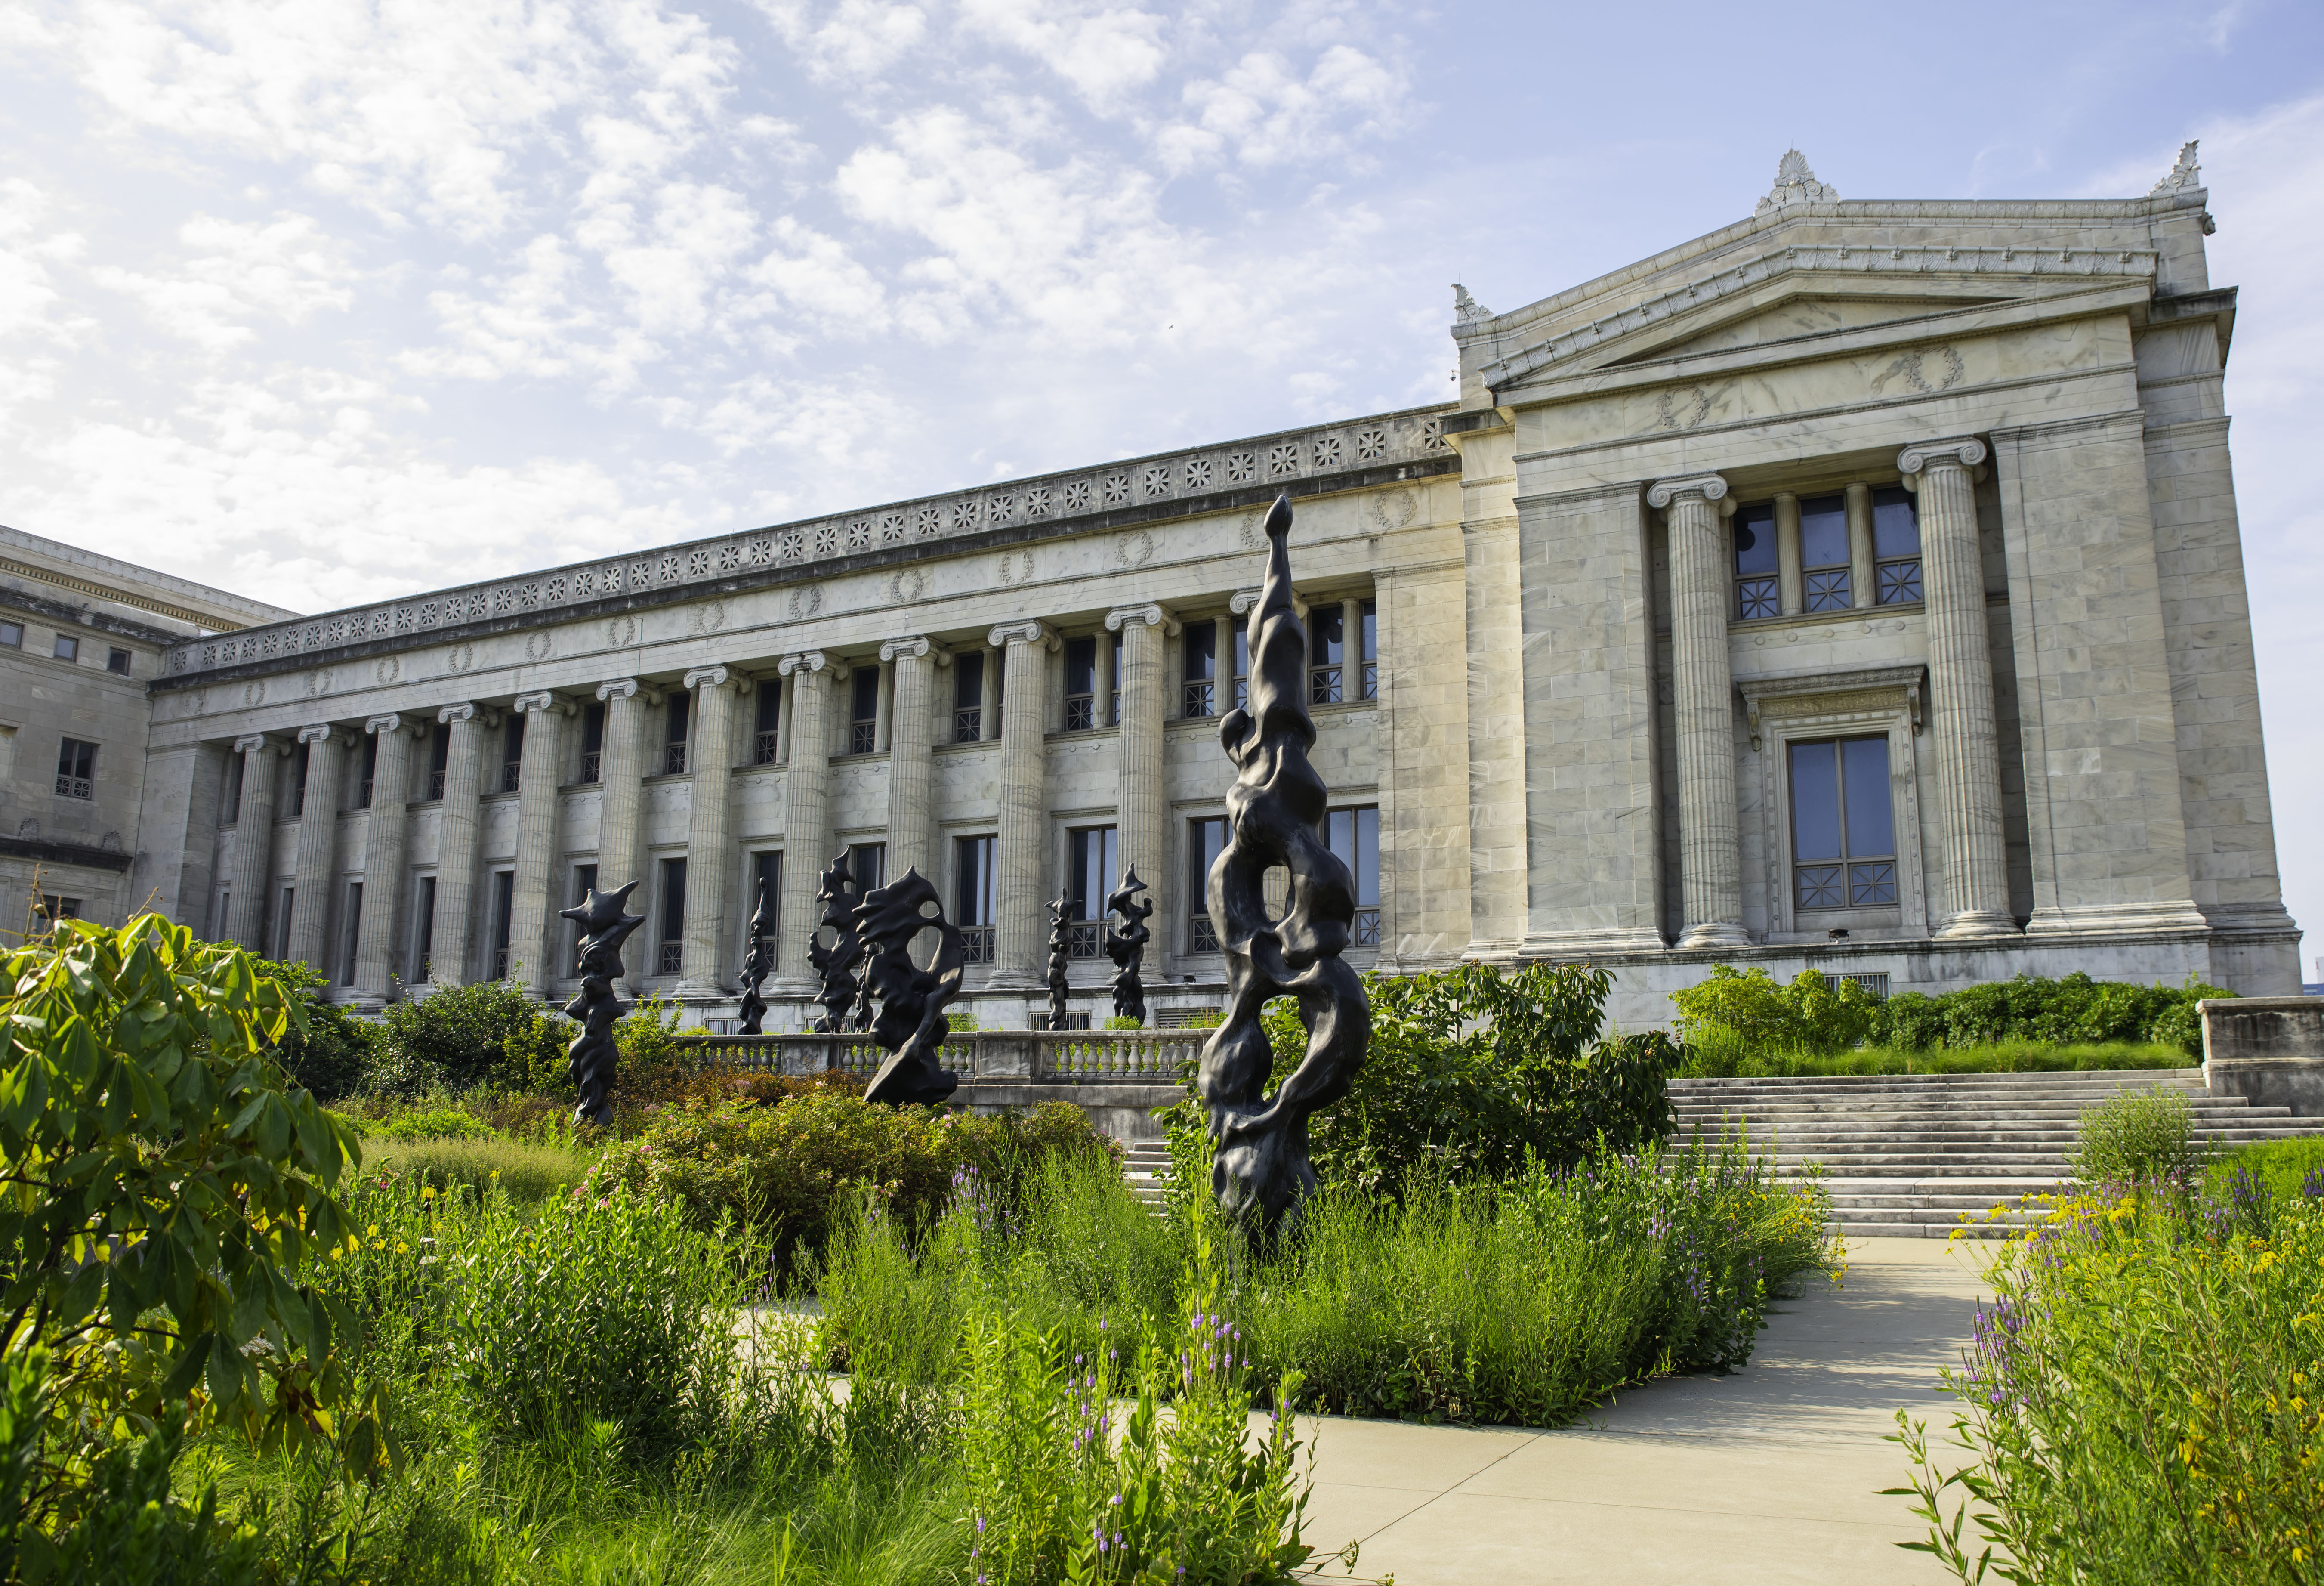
1769, 1475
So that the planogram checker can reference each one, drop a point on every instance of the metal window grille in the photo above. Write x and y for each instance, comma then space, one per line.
298, 801
1875, 983
1081, 711
1897, 583
363, 794
1372, 679
1187, 1018
500, 963
863, 737
764, 753
435, 784
74, 787
509, 773
1367, 927
1074, 1022
1756, 597
591, 766
978, 941
1828, 591
1200, 937
1323, 685
673, 759
968, 724
1080, 940
673, 957
1203, 699
1857, 884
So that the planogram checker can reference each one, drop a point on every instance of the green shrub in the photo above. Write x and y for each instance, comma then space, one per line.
528, 1171
2288, 1169
2141, 1139
331, 1055
2140, 1404
1718, 1053
433, 1123
2072, 1010
1809, 1015
459, 1037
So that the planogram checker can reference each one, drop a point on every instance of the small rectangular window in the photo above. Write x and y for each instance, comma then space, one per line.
1199, 650
117, 661
868, 863
512, 752
423, 937
593, 743
975, 898
1895, 547
1370, 611
67, 647
968, 696
300, 761
1823, 553
1095, 865
230, 794
351, 934
1757, 591
1113, 673
1354, 835
282, 924
767, 743
1080, 685
1326, 653
1206, 839
1844, 828
863, 717
52, 909
76, 769
12, 635
767, 871
369, 768
439, 755
673, 918
1242, 667
673, 748
503, 908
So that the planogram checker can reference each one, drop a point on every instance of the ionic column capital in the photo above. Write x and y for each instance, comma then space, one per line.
805, 660
1242, 600
1967, 451
1026, 632
1151, 614
553, 703
918, 646
717, 676
259, 741
322, 732
387, 727
1707, 487
466, 711
619, 689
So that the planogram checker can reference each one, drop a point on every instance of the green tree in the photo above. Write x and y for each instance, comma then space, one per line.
331, 1052
463, 1037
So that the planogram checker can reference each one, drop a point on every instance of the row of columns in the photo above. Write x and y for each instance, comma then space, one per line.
1023, 837
1960, 698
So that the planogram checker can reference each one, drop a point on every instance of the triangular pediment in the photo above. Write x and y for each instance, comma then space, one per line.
1806, 315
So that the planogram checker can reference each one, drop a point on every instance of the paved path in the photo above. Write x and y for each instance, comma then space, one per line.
1769, 1475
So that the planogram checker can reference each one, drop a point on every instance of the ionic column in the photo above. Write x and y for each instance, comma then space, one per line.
911, 804
455, 841
1960, 688
386, 835
254, 843
529, 906
988, 697
1021, 937
319, 831
709, 827
1143, 801
1791, 576
1859, 546
1703, 708
806, 825
620, 768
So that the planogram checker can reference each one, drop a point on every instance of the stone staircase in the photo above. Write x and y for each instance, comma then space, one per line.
1145, 1164
1912, 1154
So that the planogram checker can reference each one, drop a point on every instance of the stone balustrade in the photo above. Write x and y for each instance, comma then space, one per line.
1137, 1057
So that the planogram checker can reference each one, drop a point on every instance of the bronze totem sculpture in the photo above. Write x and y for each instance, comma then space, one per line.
835, 964
1061, 935
1259, 1170
590, 1059
912, 1024
1127, 946
758, 959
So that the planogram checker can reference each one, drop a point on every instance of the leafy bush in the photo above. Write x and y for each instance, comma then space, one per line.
1716, 1051
2138, 1139
434, 1123
458, 1038
2072, 1010
1809, 1015
2287, 1168
2141, 1403
1470, 1072
335, 1050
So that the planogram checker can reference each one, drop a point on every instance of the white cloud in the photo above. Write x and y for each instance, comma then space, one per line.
28, 293
851, 41
1264, 112
286, 270
1103, 53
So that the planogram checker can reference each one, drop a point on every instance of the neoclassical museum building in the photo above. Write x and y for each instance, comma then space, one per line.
1857, 587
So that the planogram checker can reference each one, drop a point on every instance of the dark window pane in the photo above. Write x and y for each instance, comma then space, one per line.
1201, 641
869, 862
1815, 802
1864, 766
769, 717
673, 899
677, 705
1372, 631
1326, 627
593, 731
1080, 666
1207, 841
1823, 532
1755, 540
1895, 524
865, 685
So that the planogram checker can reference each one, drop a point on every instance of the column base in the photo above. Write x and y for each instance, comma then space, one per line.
1015, 980
1712, 934
701, 992
1613, 939
1971, 923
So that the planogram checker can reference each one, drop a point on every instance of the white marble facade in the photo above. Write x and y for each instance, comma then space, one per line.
1584, 735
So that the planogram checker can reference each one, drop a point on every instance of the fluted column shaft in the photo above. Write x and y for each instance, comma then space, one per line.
1960, 689
385, 837
318, 832
531, 906
912, 804
621, 767
1144, 801
1704, 712
456, 843
254, 843
1021, 937
709, 829
807, 796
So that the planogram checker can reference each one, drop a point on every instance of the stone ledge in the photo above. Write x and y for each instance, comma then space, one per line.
2269, 1050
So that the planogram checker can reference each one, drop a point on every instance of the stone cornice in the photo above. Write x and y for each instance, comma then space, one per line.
1907, 682
1030, 631
1151, 612
1710, 487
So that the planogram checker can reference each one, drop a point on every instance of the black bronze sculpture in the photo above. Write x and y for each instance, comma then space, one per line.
758, 958
835, 964
590, 1057
1127, 946
912, 1024
1259, 1170
1061, 942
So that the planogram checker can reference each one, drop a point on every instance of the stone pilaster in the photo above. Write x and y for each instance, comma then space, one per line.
1960, 689
911, 798
536, 891
1702, 709
1791, 574
1144, 801
710, 828
1860, 576
1021, 933
621, 772
254, 843
319, 831
386, 835
455, 841
806, 811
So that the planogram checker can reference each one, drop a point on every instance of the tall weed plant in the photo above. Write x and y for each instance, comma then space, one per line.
2138, 1139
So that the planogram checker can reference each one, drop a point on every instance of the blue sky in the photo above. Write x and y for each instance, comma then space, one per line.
321, 302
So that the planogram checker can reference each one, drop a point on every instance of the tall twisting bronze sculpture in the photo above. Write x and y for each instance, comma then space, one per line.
912, 1024
758, 958
1061, 937
1259, 1170
590, 1059
836, 964
1127, 946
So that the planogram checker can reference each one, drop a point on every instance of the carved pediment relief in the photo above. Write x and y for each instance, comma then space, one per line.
1798, 317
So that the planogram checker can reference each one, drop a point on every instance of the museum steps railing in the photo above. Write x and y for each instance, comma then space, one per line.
1061, 1057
